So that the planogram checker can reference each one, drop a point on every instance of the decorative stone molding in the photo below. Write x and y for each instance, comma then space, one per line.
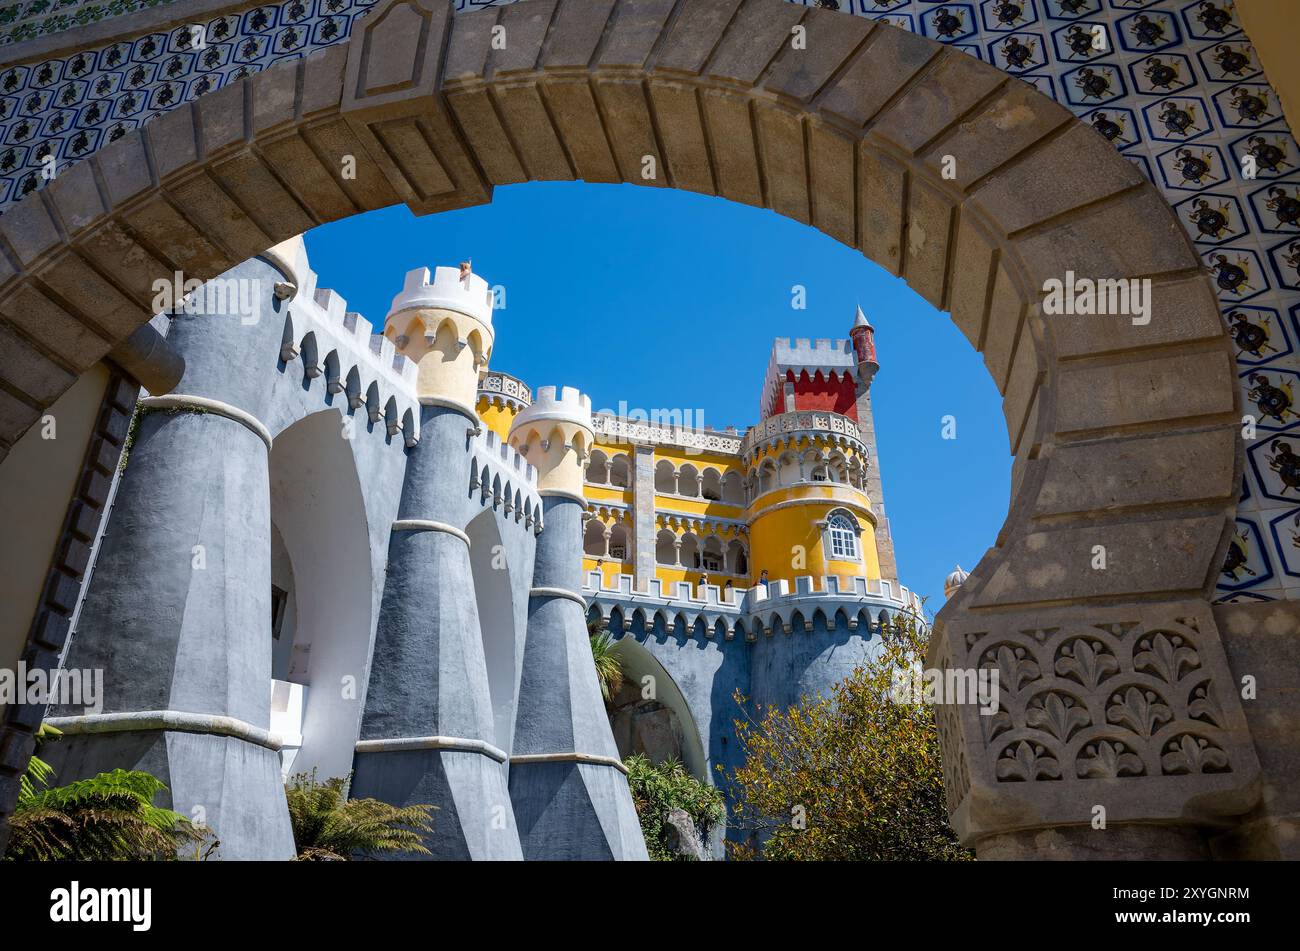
590, 759
153, 721
789, 427
493, 383
1133, 709
428, 525
453, 743
202, 404
545, 592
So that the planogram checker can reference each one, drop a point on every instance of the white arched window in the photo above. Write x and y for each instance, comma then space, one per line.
843, 538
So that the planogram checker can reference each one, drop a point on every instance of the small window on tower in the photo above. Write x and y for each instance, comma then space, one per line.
844, 538
279, 600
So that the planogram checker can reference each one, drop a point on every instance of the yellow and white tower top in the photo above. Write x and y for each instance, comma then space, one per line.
443, 323
554, 434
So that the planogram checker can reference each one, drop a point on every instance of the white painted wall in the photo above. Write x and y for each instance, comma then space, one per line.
497, 622
316, 503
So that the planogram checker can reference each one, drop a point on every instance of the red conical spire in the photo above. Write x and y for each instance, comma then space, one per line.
864, 339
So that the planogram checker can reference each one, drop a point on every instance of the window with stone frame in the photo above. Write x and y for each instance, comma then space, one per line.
843, 538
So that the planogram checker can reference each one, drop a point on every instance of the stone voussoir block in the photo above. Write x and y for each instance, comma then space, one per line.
1137, 471
632, 32
693, 36
1087, 167
951, 87
1144, 390
802, 69
992, 136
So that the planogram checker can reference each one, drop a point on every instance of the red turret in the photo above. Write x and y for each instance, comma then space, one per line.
864, 345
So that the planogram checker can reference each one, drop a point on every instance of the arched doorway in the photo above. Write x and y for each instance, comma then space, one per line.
940, 168
321, 594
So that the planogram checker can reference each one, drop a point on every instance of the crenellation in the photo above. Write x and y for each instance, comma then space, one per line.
827, 594
322, 314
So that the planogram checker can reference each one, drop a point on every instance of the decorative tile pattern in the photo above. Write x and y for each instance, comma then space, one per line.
1175, 85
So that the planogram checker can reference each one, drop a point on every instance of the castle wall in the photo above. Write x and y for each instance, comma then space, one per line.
35, 485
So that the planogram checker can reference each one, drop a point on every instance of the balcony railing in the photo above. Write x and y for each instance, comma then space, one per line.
802, 422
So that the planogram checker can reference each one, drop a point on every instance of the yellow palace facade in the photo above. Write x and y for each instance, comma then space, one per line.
681, 511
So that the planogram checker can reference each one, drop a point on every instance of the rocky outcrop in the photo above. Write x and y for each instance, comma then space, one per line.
644, 726
683, 837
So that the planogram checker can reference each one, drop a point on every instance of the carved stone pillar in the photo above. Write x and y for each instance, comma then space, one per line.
1117, 732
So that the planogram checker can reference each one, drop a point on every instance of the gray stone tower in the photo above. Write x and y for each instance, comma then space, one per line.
427, 734
179, 616
568, 785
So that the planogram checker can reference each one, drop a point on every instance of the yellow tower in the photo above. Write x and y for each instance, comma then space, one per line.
809, 512
554, 434
444, 325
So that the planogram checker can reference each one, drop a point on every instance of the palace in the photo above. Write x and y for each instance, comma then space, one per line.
341, 551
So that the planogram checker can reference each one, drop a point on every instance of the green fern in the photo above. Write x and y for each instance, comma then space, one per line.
109, 817
329, 827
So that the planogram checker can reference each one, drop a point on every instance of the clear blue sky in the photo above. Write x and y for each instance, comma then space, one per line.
668, 299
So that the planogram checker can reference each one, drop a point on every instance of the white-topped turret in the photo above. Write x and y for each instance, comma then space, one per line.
449, 317
570, 405
554, 433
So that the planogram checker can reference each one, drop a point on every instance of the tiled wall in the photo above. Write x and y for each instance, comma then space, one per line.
1174, 85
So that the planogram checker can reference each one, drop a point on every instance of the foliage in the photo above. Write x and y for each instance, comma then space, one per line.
657, 789
109, 817
329, 827
852, 776
609, 667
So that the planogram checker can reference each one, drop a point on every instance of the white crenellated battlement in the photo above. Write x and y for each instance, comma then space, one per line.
447, 290
822, 352
775, 607
323, 340
488, 446
502, 478
561, 405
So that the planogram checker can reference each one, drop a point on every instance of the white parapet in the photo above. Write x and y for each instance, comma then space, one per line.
448, 290
556, 404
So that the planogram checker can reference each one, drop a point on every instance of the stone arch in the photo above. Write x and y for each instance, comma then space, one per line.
620, 471
594, 539
665, 477
851, 134
638, 663
597, 468
324, 530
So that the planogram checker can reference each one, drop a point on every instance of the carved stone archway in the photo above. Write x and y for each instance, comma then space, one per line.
1094, 602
